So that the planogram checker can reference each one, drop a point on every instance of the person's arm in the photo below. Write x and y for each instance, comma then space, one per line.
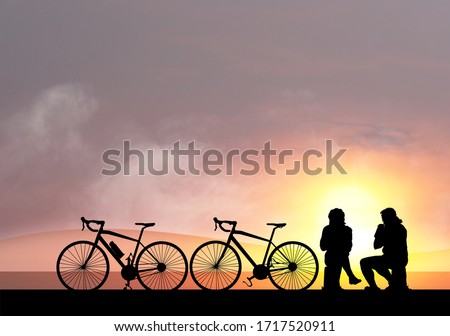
350, 240
324, 239
379, 237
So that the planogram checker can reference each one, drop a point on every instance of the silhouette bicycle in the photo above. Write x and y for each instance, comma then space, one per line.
217, 265
85, 265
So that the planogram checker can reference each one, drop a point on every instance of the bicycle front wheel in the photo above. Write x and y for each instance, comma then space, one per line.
293, 265
162, 265
215, 265
74, 269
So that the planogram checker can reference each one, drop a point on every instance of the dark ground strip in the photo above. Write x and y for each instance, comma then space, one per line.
223, 303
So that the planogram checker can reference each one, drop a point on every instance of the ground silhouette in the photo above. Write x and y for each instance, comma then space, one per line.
223, 303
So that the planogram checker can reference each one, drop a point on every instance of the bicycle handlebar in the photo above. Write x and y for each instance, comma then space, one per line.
87, 223
220, 222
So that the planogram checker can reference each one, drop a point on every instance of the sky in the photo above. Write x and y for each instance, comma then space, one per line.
368, 78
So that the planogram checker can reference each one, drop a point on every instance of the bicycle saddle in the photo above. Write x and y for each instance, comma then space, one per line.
145, 224
280, 225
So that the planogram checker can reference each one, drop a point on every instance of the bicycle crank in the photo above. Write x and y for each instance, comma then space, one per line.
260, 272
129, 272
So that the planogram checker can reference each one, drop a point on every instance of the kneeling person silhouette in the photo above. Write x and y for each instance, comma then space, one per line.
391, 236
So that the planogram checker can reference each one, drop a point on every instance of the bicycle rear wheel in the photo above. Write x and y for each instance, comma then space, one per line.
206, 270
293, 265
76, 272
162, 266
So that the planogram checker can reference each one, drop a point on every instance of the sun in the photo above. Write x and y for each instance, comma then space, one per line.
362, 206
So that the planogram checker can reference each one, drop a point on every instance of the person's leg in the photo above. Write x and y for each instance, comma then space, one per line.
332, 272
382, 269
398, 278
377, 263
367, 271
353, 280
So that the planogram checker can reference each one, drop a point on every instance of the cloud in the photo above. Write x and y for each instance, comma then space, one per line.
50, 126
381, 136
41, 149
53, 121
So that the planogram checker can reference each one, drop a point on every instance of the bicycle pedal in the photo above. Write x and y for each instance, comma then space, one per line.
250, 281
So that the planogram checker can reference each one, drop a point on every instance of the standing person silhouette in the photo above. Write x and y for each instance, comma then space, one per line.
391, 236
336, 240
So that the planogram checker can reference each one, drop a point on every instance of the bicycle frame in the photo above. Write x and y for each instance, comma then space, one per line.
231, 238
99, 238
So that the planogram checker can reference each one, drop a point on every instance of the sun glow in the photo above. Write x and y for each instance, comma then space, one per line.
361, 206
361, 196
